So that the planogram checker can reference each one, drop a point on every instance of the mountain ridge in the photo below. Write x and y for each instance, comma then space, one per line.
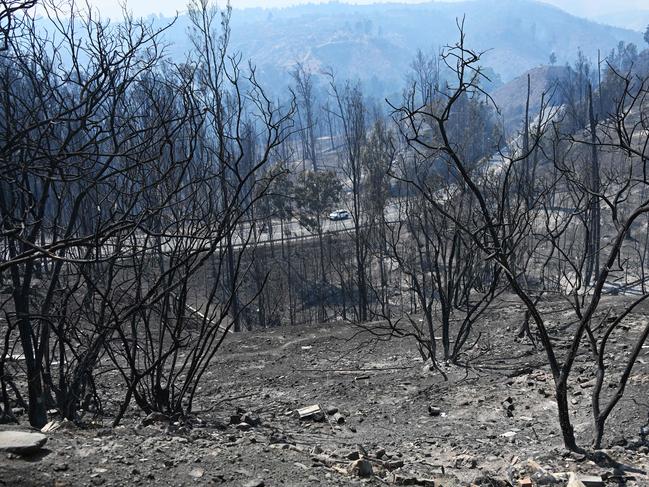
376, 43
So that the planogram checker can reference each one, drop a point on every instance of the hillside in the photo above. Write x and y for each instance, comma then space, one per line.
490, 424
377, 42
511, 98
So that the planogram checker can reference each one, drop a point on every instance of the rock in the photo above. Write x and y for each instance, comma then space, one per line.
196, 472
434, 411
526, 482
545, 478
360, 468
255, 483
466, 461
331, 410
243, 426
380, 453
21, 442
587, 384
251, 420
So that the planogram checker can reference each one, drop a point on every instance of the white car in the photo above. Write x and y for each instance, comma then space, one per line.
339, 215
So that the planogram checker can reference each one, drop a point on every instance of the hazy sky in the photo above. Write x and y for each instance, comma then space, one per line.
584, 8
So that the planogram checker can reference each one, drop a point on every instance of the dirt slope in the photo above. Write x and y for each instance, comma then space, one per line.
495, 421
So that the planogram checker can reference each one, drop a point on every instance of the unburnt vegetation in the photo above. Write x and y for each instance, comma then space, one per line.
150, 209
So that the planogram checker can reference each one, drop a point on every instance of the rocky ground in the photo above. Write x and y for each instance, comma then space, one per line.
386, 419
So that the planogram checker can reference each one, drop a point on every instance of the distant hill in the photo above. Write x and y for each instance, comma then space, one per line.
376, 43
511, 98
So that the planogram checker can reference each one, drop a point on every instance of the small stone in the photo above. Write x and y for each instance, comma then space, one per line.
251, 420
331, 410
466, 461
434, 411
243, 426
255, 483
196, 472
545, 478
